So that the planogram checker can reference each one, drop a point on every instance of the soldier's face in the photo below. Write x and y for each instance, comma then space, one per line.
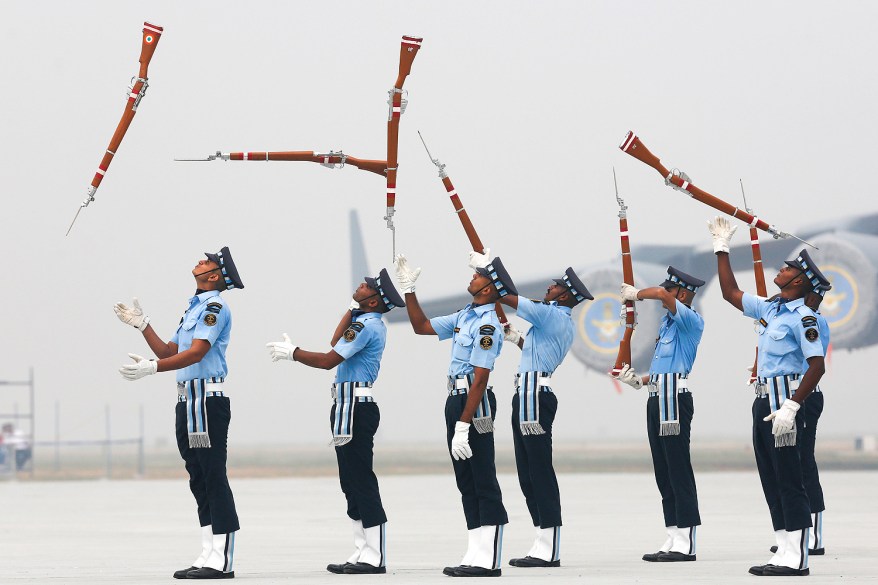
477, 283
364, 292
554, 291
204, 269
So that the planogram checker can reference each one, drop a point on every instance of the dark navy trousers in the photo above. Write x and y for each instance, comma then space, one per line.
533, 459
813, 408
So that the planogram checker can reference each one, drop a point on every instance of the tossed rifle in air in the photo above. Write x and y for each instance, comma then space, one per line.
680, 181
463, 216
624, 355
758, 273
149, 41
334, 159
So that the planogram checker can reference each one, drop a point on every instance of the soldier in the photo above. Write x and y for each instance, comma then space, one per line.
357, 347
669, 409
534, 404
470, 407
789, 336
197, 351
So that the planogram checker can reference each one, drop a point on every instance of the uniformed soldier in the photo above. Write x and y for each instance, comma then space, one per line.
789, 335
534, 405
357, 347
670, 408
470, 407
197, 351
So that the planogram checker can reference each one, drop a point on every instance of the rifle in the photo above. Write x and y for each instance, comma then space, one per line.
679, 180
334, 159
408, 50
149, 41
758, 272
465, 221
624, 355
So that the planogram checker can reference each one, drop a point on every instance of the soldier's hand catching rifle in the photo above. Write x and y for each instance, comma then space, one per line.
722, 231
281, 350
512, 334
630, 377
460, 448
629, 293
784, 418
405, 276
479, 260
132, 315
140, 368
353, 306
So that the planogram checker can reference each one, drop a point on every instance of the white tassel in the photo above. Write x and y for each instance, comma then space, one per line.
484, 425
199, 441
669, 428
786, 439
532, 428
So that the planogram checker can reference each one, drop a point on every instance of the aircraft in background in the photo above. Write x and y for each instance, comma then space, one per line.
847, 255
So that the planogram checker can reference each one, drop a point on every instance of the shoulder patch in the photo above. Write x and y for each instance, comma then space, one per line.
809, 321
486, 342
357, 326
811, 334
487, 330
210, 319
214, 307
350, 333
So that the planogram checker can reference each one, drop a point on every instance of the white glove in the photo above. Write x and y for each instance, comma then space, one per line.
722, 231
630, 377
629, 293
281, 350
132, 315
512, 334
479, 260
784, 418
140, 368
354, 306
405, 276
460, 442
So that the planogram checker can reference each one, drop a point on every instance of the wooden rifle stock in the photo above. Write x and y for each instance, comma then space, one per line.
632, 145
408, 50
149, 41
624, 355
759, 274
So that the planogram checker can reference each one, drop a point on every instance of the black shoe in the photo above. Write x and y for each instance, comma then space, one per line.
450, 570
653, 557
759, 569
674, 557
208, 573
337, 568
363, 569
779, 571
471, 571
181, 574
530, 561
811, 551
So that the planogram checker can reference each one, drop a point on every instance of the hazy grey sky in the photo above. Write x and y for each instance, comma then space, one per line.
525, 101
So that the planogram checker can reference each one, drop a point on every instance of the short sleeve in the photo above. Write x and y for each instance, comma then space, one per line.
535, 313
354, 338
687, 319
444, 326
809, 336
212, 321
754, 306
486, 347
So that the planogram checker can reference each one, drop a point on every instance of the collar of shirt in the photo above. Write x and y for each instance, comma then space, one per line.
201, 297
365, 316
479, 309
790, 306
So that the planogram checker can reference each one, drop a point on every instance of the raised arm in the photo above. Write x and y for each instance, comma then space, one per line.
722, 231
343, 324
657, 293
406, 278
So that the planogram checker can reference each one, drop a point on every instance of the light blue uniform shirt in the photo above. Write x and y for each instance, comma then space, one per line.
361, 346
207, 318
476, 337
550, 337
823, 327
677, 344
783, 338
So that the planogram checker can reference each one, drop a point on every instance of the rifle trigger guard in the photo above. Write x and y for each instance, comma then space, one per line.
331, 165
403, 102
683, 176
140, 93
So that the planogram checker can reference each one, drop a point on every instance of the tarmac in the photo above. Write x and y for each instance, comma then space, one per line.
140, 531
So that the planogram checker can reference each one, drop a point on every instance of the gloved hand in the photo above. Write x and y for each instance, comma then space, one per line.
479, 260
784, 418
140, 368
722, 231
132, 315
630, 377
354, 306
460, 442
629, 293
405, 276
281, 350
512, 334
